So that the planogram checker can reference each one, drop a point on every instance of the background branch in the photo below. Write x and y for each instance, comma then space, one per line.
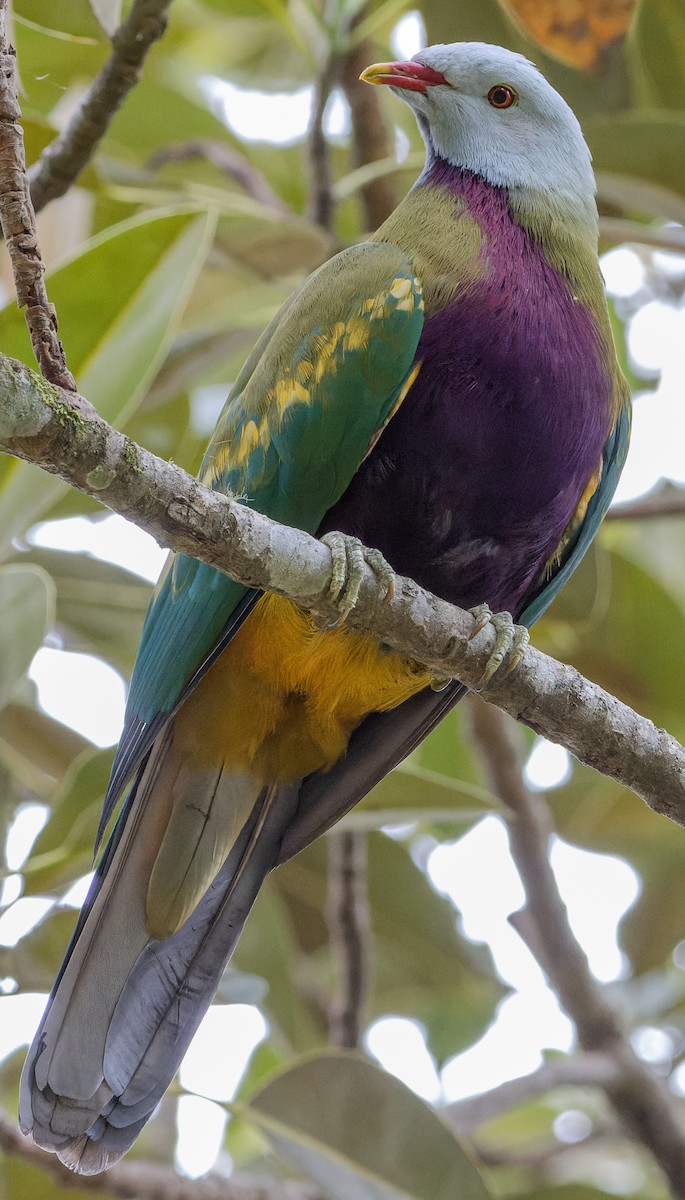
370, 139
349, 929
594, 1069
669, 505
641, 1099
139, 1180
62, 161
230, 162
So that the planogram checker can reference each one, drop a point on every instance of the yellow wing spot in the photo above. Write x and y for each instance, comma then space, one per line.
411, 378
576, 520
325, 350
304, 371
586, 497
402, 393
249, 439
369, 304
223, 459
356, 334
401, 288
289, 391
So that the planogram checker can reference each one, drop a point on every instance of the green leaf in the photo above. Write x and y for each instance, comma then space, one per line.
656, 50
414, 793
633, 658
31, 735
360, 1134
51, 60
574, 1191
268, 948
24, 1181
100, 606
73, 17
646, 144
27, 605
63, 849
37, 957
119, 301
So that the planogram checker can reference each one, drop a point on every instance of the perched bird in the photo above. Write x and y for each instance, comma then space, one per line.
449, 393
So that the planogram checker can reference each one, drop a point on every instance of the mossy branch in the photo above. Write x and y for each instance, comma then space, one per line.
63, 434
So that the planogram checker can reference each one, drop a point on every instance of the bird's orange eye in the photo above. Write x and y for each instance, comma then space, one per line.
501, 96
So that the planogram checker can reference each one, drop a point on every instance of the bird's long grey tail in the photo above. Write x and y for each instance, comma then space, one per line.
126, 1005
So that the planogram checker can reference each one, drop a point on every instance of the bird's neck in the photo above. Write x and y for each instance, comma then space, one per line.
452, 218
565, 224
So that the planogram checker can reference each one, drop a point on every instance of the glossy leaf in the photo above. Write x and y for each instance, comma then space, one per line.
657, 53
63, 849
100, 606
649, 145
37, 956
118, 325
47, 744
361, 1134
27, 606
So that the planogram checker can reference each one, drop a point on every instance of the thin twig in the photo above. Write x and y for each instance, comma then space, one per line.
641, 1099
63, 434
616, 229
18, 221
595, 1069
349, 928
540, 1153
62, 161
138, 1180
228, 160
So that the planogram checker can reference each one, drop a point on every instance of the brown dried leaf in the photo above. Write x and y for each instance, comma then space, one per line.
579, 33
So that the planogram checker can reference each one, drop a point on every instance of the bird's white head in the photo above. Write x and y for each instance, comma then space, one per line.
490, 111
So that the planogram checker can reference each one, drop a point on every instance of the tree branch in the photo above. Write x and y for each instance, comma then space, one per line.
63, 434
669, 505
62, 161
596, 1069
349, 928
369, 131
139, 1180
641, 1099
18, 221
321, 202
229, 161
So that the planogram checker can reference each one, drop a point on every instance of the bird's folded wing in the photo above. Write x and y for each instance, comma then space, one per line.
318, 388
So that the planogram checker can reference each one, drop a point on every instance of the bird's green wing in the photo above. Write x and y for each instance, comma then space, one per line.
589, 515
318, 388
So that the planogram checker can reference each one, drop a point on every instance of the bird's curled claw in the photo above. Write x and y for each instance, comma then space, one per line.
510, 642
349, 556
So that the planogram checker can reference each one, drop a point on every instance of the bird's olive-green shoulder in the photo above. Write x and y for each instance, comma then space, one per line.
444, 264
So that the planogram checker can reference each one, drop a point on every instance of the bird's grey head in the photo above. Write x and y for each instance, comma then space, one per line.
490, 111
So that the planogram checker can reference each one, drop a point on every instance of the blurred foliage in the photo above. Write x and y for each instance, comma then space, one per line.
164, 269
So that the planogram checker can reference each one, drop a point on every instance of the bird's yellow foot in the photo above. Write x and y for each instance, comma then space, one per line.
510, 642
349, 556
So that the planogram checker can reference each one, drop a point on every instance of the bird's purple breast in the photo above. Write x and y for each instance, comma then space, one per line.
471, 486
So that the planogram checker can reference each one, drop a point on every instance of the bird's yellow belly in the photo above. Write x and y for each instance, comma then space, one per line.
284, 697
